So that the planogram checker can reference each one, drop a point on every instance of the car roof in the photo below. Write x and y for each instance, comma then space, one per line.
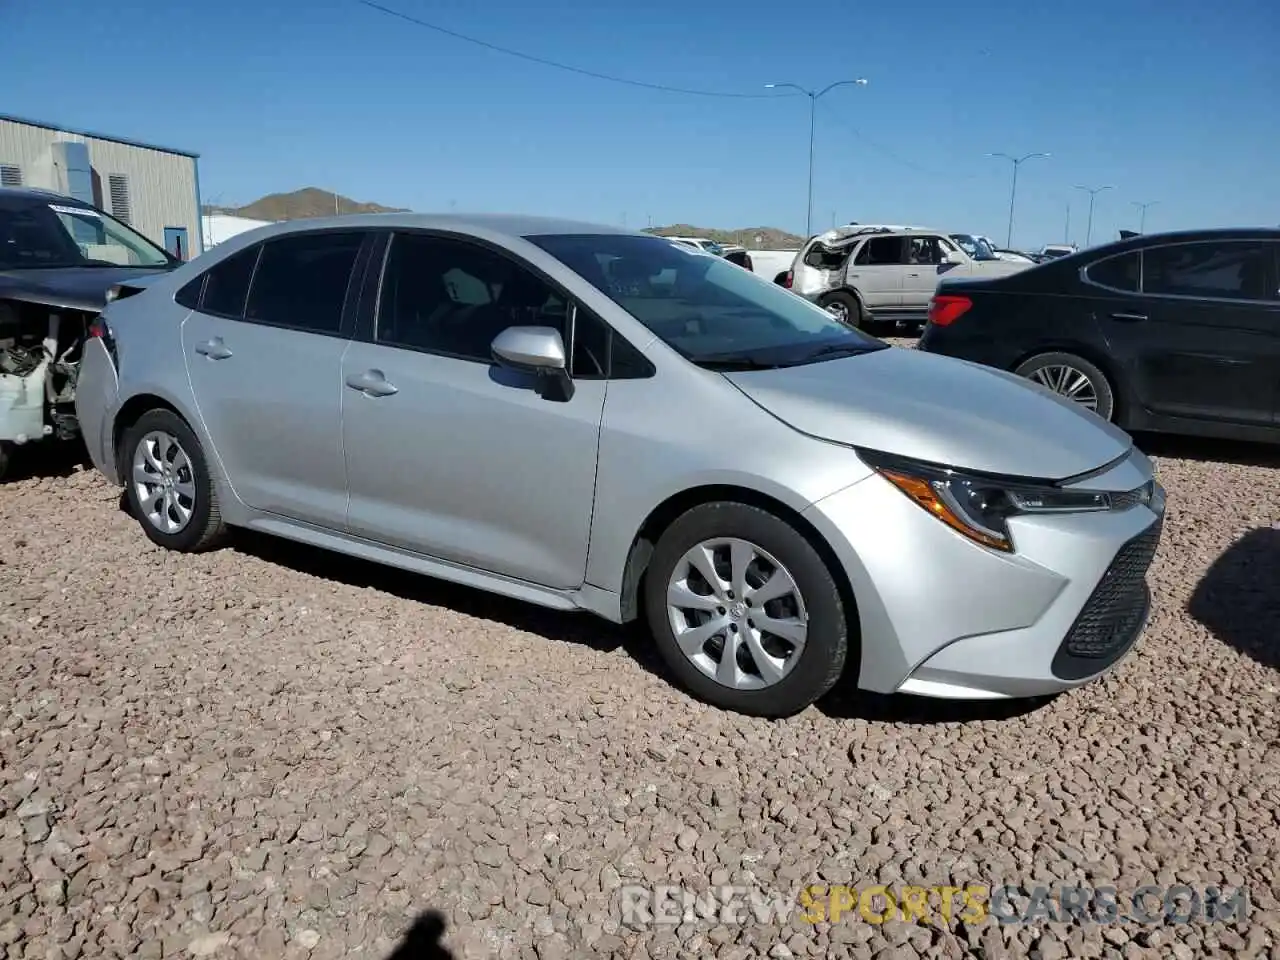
38, 195
505, 224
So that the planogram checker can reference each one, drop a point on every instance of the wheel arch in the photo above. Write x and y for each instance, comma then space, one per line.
665, 513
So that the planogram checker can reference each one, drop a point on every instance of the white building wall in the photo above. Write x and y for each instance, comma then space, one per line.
162, 186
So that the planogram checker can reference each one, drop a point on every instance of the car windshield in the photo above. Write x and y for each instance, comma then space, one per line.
48, 235
709, 310
975, 247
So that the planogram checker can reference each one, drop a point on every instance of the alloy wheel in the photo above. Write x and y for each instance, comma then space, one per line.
1069, 382
163, 482
737, 613
838, 310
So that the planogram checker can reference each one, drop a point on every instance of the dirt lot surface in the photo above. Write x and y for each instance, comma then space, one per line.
268, 751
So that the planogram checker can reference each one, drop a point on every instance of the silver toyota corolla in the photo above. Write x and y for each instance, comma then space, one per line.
600, 420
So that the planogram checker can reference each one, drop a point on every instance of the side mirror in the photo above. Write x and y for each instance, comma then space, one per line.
536, 350
953, 256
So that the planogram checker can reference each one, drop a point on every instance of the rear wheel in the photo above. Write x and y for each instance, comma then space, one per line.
744, 611
844, 306
1072, 377
167, 483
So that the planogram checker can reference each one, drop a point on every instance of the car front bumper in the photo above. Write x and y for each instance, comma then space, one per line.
942, 616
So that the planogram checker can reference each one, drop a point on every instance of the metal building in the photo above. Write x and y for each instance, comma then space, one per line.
156, 190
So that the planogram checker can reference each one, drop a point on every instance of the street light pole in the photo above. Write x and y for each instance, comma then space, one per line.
1013, 190
813, 96
1142, 206
1093, 192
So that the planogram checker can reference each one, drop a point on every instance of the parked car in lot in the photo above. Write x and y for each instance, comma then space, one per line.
705, 244
1051, 251
877, 274
592, 419
58, 258
1175, 332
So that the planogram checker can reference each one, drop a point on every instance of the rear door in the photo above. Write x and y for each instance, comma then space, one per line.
878, 271
264, 349
1201, 333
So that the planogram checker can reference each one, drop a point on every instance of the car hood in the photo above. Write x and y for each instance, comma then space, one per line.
77, 288
938, 409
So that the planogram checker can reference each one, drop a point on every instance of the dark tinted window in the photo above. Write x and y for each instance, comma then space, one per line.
227, 284
1118, 273
302, 280
451, 297
626, 362
189, 295
1235, 271
880, 251
590, 345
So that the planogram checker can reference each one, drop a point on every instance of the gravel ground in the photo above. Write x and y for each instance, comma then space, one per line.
266, 751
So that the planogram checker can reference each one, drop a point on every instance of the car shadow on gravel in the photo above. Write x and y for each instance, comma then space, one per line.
1238, 598
424, 940
581, 628
845, 702
46, 460
1239, 452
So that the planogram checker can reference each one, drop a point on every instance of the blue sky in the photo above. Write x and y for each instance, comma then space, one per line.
1168, 100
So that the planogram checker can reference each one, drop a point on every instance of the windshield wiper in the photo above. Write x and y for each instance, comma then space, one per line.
832, 350
734, 361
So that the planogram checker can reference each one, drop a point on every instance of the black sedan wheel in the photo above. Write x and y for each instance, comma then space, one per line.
1072, 377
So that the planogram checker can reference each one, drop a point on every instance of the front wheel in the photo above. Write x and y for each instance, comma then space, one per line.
744, 611
1072, 377
167, 484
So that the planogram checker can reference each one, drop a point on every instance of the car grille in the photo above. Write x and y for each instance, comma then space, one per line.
1114, 615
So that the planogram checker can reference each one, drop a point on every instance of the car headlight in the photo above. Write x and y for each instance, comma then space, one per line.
980, 507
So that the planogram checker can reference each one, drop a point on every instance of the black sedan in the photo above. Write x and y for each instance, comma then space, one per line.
1174, 332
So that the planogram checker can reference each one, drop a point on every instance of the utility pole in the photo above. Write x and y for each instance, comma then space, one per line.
1142, 206
1013, 190
814, 96
1066, 231
1093, 192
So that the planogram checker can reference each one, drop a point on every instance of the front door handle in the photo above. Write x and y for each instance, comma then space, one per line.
1129, 317
372, 383
214, 349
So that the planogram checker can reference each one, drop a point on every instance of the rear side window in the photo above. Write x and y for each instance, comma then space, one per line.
1223, 270
301, 281
227, 284
1116, 273
882, 251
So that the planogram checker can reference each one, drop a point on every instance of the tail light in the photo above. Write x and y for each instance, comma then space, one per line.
790, 277
98, 330
946, 308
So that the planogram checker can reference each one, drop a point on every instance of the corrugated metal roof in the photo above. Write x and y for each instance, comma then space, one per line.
98, 136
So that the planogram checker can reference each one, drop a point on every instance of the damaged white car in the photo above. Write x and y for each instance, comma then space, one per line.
60, 260
866, 275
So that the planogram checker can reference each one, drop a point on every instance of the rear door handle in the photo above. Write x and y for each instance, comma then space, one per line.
1129, 317
372, 383
214, 349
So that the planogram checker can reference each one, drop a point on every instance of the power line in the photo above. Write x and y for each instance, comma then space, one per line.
891, 154
564, 66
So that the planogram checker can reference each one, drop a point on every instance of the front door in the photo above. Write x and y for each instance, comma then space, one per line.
1203, 336
264, 357
925, 257
450, 455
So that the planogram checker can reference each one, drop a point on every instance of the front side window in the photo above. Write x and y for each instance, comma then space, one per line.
1227, 270
447, 296
707, 309
1116, 273
301, 280
926, 251
62, 235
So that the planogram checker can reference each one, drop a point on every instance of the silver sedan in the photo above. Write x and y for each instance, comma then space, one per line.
599, 420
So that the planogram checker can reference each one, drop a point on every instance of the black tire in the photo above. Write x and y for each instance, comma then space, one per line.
826, 645
205, 529
5, 460
781, 278
855, 316
1103, 390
